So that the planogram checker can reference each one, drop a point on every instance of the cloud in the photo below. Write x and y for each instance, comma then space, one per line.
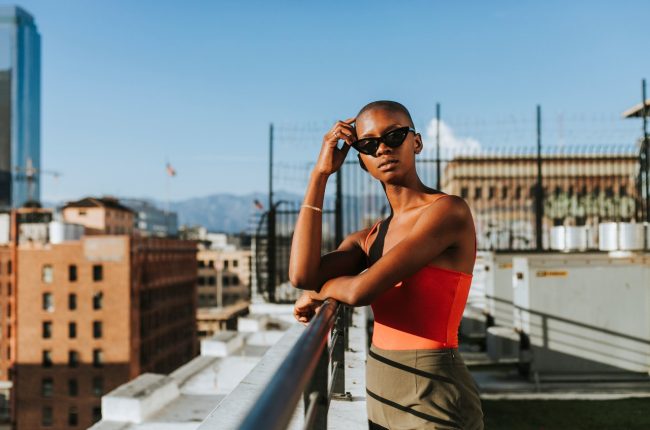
450, 144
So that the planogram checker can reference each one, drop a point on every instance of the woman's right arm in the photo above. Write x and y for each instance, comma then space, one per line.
307, 269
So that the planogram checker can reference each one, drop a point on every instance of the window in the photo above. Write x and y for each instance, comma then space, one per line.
98, 358
46, 416
47, 387
212, 280
211, 263
235, 280
97, 300
73, 358
73, 387
97, 413
98, 386
464, 192
492, 191
201, 263
97, 329
72, 301
9, 267
47, 358
48, 302
47, 274
72, 273
73, 416
225, 264
235, 263
201, 280
518, 192
622, 190
72, 330
82, 212
504, 192
226, 280
47, 329
98, 273
478, 191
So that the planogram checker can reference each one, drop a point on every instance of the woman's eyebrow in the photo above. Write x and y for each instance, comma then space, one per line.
386, 130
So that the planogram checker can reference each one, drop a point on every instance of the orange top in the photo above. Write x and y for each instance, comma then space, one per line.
423, 311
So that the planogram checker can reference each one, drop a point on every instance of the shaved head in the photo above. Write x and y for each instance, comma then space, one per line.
389, 106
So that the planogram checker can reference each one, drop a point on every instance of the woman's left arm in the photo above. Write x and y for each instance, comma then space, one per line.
438, 228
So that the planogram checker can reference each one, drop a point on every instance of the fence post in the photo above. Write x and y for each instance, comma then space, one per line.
539, 195
339, 208
338, 352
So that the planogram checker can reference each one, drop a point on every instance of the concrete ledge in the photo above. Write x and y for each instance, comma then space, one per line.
136, 400
222, 344
252, 323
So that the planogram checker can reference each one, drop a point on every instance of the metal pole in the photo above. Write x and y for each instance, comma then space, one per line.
339, 208
438, 146
270, 231
539, 195
647, 152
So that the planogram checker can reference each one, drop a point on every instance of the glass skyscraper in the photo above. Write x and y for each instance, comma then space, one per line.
20, 108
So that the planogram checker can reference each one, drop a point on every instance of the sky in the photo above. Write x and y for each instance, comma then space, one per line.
130, 85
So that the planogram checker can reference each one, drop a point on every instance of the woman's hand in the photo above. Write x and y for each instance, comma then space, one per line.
331, 158
305, 308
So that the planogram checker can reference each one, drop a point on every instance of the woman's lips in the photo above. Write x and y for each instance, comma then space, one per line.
388, 164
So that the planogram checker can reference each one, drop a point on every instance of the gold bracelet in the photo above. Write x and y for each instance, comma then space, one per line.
312, 207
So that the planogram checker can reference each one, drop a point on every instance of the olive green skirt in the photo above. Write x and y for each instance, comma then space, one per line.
421, 389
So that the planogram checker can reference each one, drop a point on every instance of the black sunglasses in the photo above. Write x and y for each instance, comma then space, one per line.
392, 139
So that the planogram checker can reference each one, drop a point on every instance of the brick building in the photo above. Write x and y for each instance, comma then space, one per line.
88, 315
103, 215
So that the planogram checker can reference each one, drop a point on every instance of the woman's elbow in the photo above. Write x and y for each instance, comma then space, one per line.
300, 282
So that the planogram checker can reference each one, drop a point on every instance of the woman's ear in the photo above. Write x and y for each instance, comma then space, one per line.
418, 143
363, 166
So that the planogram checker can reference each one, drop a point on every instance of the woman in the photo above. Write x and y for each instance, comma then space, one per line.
419, 263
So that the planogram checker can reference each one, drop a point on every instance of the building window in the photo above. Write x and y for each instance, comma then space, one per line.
82, 212
201, 280
73, 416
47, 387
211, 263
464, 192
97, 329
98, 273
46, 416
47, 358
201, 263
48, 302
517, 192
504, 192
9, 267
98, 386
235, 280
47, 274
73, 358
235, 263
72, 301
72, 273
225, 264
97, 413
478, 191
225, 280
492, 192
72, 330
98, 298
98, 358
73, 387
47, 329
212, 280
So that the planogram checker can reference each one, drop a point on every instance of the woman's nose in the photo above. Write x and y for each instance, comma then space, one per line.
383, 149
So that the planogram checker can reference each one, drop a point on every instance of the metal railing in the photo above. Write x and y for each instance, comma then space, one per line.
313, 368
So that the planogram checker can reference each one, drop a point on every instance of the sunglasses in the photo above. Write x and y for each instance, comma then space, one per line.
392, 139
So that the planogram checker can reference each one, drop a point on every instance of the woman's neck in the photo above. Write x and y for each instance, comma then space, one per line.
404, 197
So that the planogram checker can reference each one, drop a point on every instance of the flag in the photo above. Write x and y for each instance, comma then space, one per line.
170, 170
258, 204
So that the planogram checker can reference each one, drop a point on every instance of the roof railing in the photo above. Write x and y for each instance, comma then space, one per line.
312, 368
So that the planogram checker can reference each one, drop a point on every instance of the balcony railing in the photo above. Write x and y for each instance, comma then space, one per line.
312, 368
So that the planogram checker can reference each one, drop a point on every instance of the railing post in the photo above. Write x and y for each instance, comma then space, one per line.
338, 353
318, 384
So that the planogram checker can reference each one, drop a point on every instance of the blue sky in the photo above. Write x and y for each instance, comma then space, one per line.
128, 85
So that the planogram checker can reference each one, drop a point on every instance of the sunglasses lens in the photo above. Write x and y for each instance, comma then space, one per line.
366, 146
395, 137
